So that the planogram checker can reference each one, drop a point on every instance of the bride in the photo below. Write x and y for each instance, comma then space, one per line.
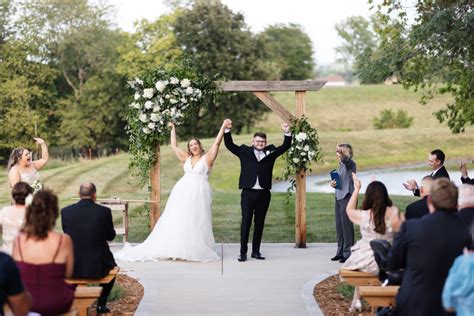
184, 230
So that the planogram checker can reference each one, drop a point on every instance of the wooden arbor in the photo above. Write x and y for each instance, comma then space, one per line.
261, 90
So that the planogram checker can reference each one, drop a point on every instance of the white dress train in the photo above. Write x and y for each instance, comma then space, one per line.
184, 230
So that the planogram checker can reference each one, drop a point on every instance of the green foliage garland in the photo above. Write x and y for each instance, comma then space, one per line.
303, 151
162, 97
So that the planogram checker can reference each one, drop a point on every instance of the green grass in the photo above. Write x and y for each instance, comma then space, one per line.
345, 290
340, 114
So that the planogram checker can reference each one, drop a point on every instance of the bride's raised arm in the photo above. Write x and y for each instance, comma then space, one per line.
214, 150
181, 154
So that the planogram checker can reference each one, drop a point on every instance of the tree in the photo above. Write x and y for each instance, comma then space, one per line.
220, 43
432, 52
292, 50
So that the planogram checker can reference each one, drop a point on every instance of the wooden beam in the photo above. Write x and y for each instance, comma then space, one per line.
287, 85
275, 106
155, 208
300, 195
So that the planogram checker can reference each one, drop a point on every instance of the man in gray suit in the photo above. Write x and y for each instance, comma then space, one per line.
344, 226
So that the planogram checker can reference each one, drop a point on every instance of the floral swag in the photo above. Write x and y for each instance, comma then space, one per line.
303, 151
161, 97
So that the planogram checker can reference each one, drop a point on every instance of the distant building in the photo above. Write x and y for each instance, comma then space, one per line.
392, 80
333, 81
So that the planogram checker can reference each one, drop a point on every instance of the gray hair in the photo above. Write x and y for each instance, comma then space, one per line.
466, 195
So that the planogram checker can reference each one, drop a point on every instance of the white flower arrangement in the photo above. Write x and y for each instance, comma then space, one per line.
36, 185
164, 102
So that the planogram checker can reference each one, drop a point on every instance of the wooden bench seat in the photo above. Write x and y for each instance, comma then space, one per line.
108, 278
379, 296
84, 297
358, 278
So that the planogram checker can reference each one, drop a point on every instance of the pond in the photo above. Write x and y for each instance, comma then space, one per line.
391, 177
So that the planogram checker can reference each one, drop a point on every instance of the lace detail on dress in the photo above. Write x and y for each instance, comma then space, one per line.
11, 220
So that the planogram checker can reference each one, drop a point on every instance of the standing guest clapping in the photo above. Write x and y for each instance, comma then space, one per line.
344, 227
44, 257
12, 217
22, 168
464, 176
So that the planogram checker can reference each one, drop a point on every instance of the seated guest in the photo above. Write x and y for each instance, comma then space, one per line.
436, 161
45, 257
374, 222
90, 226
419, 208
11, 288
458, 291
466, 205
464, 176
12, 217
426, 248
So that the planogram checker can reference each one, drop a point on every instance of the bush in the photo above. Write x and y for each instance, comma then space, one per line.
390, 119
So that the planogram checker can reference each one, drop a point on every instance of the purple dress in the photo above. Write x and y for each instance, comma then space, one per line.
50, 293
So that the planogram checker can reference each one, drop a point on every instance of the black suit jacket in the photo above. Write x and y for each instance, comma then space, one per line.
250, 167
467, 180
90, 226
441, 173
426, 249
467, 216
417, 209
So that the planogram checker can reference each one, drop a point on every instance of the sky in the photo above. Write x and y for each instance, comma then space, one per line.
317, 17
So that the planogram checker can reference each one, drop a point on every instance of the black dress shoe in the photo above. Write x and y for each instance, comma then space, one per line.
336, 258
102, 310
258, 256
343, 260
242, 257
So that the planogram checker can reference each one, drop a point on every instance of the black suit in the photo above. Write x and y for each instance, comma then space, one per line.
417, 209
426, 249
467, 216
441, 173
90, 226
254, 201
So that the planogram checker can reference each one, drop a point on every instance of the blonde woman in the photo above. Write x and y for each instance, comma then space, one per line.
184, 230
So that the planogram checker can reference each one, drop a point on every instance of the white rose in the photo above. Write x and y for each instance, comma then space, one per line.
296, 160
143, 117
303, 154
161, 100
301, 136
148, 105
167, 96
173, 101
160, 86
139, 81
137, 95
155, 117
146, 130
148, 93
183, 100
156, 108
306, 148
151, 125
189, 90
185, 83
174, 80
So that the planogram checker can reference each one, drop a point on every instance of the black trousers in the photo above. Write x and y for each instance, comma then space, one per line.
253, 203
106, 289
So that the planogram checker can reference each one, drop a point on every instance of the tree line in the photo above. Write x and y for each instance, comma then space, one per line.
64, 67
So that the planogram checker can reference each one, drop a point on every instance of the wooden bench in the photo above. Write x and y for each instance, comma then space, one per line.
118, 206
358, 278
83, 282
379, 296
84, 297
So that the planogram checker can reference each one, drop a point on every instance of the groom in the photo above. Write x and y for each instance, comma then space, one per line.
256, 163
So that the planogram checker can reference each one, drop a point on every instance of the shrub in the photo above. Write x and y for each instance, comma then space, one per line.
390, 119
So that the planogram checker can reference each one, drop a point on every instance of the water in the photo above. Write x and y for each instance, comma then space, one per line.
392, 178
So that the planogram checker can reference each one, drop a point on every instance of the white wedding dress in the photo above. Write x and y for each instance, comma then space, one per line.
184, 230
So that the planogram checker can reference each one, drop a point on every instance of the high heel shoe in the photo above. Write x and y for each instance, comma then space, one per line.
356, 306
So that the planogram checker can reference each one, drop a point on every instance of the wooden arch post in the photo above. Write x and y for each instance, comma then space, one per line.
261, 90
155, 181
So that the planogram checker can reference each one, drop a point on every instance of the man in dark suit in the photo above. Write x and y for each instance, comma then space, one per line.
466, 207
426, 249
419, 208
256, 168
436, 161
90, 226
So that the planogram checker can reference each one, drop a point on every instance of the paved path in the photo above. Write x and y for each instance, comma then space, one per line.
281, 285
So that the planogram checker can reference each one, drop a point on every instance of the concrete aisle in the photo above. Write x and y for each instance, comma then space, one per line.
280, 285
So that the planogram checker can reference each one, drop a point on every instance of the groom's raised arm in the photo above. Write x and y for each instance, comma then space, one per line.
229, 143
287, 140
